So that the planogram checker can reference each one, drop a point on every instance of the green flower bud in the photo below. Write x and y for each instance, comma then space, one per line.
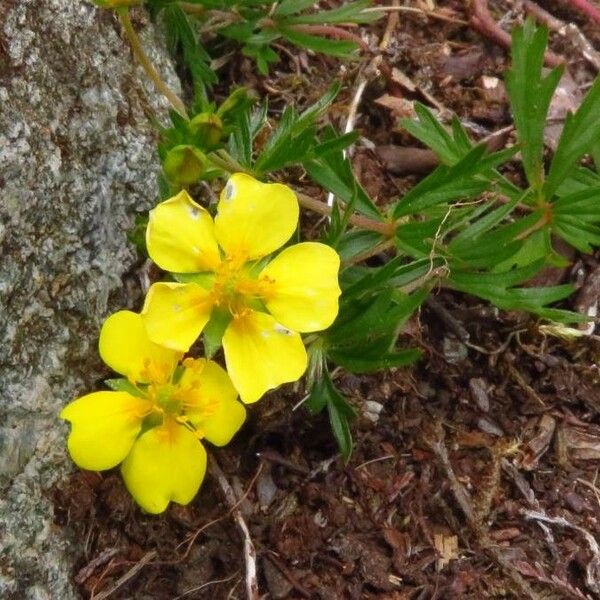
184, 164
116, 3
207, 129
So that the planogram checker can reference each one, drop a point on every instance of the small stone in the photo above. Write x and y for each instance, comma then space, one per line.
478, 388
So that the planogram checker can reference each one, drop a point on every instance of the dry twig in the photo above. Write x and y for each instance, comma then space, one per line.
249, 549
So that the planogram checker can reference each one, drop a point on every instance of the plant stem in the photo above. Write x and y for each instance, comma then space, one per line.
387, 229
146, 63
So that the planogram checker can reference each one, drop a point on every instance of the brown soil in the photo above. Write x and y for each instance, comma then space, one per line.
476, 478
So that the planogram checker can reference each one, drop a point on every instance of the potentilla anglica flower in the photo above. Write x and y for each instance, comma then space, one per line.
154, 432
268, 303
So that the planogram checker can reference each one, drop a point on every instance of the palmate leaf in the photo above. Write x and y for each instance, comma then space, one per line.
576, 217
491, 248
461, 180
451, 146
578, 180
498, 289
530, 94
181, 35
581, 235
295, 136
363, 339
427, 129
246, 126
333, 172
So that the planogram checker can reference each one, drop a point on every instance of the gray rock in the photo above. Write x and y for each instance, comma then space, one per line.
77, 162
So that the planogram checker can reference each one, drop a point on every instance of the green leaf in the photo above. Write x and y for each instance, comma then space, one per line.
485, 223
325, 394
582, 236
349, 12
213, 332
355, 242
364, 336
337, 144
580, 135
262, 54
504, 279
124, 385
461, 180
530, 95
577, 181
595, 151
340, 427
388, 360
432, 133
339, 48
291, 7
451, 147
181, 35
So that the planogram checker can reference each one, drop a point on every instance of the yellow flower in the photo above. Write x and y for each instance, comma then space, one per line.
155, 431
269, 306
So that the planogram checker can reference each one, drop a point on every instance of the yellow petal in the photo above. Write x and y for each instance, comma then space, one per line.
210, 401
104, 426
255, 218
180, 236
175, 314
302, 286
261, 354
166, 463
125, 347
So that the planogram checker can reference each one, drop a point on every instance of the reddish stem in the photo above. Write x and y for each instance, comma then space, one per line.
593, 12
483, 22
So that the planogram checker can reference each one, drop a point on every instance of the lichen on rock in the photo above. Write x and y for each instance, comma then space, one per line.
77, 163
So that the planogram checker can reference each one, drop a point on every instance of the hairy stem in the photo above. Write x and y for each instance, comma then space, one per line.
146, 63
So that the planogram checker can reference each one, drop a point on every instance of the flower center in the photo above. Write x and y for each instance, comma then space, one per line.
235, 287
166, 398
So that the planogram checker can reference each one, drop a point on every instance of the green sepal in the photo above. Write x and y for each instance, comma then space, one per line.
214, 330
124, 385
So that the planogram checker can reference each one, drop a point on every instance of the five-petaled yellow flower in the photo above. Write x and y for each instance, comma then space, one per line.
154, 434
269, 305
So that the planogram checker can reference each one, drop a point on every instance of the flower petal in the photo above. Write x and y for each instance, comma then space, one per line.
255, 218
104, 426
180, 236
166, 463
261, 354
125, 347
303, 287
211, 401
174, 314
